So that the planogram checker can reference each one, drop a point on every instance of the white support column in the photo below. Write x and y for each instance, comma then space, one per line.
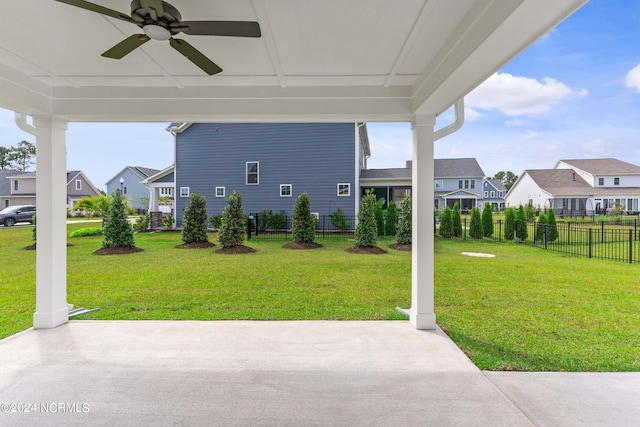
422, 314
51, 196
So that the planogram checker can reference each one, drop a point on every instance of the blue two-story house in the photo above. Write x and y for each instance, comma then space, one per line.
270, 164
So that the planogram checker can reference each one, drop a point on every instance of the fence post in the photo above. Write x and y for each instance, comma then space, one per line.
464, 230
544, 236
602, 231
630, 246
500, 230
590, 241
569, 232
249, 219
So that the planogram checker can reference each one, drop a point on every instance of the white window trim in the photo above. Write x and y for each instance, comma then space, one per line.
246, 170
618, 180
78, 184
348, 185
184, 191
223, 192
282, 186
486, 194
493, 194
16, 185
439, 181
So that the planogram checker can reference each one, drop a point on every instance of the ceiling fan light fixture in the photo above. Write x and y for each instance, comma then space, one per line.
156, 32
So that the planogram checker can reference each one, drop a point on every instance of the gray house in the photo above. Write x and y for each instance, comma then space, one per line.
456, 180
270, 164
493, 192
129, 181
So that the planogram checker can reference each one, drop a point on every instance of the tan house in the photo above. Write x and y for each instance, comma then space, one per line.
22, 188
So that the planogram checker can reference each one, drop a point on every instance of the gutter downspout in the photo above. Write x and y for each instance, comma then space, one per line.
21, 122
457, 123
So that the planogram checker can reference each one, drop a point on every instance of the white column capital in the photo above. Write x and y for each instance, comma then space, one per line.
49, 121
419, 120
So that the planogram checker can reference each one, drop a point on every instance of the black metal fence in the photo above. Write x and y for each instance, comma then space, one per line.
616, 241
280, 228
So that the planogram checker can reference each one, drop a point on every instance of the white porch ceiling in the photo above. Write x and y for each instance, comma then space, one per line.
329, 60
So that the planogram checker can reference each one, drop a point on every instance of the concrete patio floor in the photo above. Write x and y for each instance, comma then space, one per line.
298, 373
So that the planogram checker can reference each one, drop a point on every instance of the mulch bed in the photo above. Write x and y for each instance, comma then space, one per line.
296, 245
118, 250
240, 249
401, 247
371, 250
33, 247
196, 245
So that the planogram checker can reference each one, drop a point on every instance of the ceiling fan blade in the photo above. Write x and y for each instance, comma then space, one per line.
195, 56
154, 7
126, 46
99, 9
221, 28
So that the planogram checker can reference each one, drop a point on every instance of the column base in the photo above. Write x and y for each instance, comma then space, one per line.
50, 320
422, 320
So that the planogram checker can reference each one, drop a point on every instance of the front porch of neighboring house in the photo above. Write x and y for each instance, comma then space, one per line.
465, 199
589, 206
162, 193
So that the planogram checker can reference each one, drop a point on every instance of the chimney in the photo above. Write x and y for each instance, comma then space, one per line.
408, 165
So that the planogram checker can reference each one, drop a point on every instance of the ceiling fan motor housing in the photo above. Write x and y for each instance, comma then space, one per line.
170, 18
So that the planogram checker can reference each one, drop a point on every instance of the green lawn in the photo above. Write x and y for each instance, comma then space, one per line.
525, 309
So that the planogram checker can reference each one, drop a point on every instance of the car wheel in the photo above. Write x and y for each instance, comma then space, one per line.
9, 222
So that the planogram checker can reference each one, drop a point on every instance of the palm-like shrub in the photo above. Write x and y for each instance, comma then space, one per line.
232, 229
521, 224
509, 223
391, 224
303, 225
404, 234
194, 223
366, 233
446, 223
117, 228
487, 220
475, 226
552, 228
456, 221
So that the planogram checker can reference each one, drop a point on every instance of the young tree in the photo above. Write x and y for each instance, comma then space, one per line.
233, 227
194, 223
487, 220
509, 223
456, 221
475, 226
391, 224
541, 227
117, 228
366, 233
552, 228
303, 225
521, 224
446, 223
404, 233
530, 212
508, 178
5, 158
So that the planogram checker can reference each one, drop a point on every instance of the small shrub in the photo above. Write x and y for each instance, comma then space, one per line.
339, 221
142, 223
194, 223
456, 221
475, 226
379, 215
541, 227
216, 221
446, 223
167, 222
273, 221
552, 228
404, 234
509, 223
303, 225
232, 230
366, 233
117, 228
86, 232
530, 212
487, 220
521, 224
391, 223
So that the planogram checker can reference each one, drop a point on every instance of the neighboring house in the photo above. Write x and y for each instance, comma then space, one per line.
22, 188
270, 164
129, 182
161, 190
455, 180
493, 192
580, 187
6, 199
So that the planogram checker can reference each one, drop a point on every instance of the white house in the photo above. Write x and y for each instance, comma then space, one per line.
579, 187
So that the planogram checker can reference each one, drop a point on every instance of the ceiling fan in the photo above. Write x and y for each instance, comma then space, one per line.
161, 21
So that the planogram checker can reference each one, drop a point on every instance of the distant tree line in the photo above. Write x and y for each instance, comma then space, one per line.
508, 178
19, 158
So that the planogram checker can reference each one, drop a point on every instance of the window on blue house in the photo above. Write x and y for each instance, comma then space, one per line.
473, 183
493, 194
344, 189
460, 184
253, 173
486, 194
439, 183
184, 191
219, 191
285, 190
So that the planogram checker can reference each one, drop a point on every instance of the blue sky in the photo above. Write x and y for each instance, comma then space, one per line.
573, 94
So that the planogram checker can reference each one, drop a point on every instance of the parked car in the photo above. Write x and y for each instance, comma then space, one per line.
12, 214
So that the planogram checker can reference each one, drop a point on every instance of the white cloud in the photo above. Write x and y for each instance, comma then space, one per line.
515, 95
470, 114
632, 79
530, 134
517, 122
597, 147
